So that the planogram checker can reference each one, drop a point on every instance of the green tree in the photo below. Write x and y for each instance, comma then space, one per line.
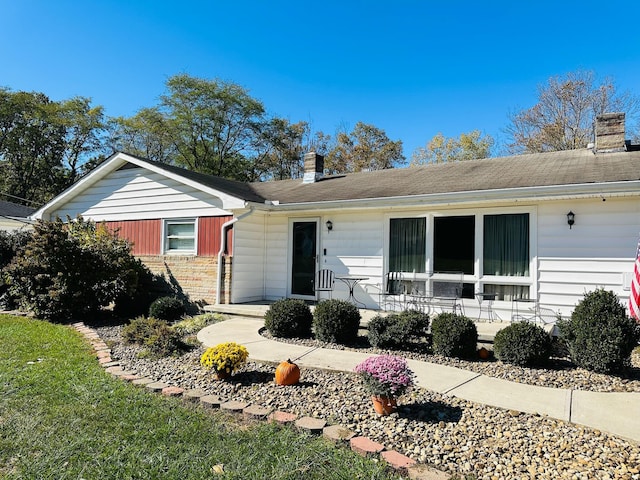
208, 126
284, 142
366, 147
284, 146
564, 116
85, 135
144, 135
441, 149
31, 146
44, 144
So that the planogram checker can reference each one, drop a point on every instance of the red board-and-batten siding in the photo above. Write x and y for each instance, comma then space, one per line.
146, 235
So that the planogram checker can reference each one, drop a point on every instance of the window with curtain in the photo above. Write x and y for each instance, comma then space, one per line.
506, 245
407, 245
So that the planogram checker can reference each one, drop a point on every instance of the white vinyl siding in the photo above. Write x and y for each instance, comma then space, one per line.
138, 194
247, 279
596, 252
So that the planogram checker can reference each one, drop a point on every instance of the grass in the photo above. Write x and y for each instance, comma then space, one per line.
63, 417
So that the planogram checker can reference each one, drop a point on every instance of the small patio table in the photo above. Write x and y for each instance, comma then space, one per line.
487, 298
351, 281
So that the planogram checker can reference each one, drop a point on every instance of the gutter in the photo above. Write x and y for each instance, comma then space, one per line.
223, 246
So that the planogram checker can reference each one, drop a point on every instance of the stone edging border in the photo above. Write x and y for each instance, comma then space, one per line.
336, 433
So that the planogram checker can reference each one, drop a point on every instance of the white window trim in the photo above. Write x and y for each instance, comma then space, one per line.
478, 278
165, 238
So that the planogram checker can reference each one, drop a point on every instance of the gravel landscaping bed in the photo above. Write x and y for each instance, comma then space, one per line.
559, 374
450, 434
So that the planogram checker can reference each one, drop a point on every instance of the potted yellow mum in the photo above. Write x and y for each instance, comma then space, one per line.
224, 358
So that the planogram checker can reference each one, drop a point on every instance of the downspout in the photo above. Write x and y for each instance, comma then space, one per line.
223, 247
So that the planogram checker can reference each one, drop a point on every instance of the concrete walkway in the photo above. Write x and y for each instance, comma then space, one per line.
616, 413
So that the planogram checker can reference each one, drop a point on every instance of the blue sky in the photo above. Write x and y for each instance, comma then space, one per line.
410, 68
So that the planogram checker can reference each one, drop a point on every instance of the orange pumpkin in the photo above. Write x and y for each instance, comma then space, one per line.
483, 353
287, 373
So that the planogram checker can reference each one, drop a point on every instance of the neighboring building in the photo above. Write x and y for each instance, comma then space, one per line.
14, 216
501, 221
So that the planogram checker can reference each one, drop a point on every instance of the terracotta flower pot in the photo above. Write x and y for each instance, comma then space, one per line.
222, 375
384, 405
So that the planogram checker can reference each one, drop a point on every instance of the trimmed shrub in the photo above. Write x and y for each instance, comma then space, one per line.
289, 318
454, 335
523, 344
398, 330
336, 321
167, 308
599, 335
154, 334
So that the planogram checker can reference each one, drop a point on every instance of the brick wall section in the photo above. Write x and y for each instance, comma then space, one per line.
225, 295
195, 276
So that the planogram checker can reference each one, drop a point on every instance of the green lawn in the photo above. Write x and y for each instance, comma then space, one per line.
63, 417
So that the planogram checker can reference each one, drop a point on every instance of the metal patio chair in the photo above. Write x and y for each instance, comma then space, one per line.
325, 281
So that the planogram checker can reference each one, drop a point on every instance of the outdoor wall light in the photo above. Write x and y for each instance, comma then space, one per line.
329, 225
571, 219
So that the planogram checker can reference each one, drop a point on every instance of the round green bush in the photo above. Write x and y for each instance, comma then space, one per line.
398, 330
289, 318
336, 321
523, 344
600, 336
167, 308
454, 335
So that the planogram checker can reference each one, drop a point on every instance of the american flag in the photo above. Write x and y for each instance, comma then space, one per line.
634, 298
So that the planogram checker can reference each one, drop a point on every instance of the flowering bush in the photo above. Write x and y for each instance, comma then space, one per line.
386, 375
224, 357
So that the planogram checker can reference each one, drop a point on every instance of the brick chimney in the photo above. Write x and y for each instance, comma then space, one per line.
610, 133
313, 167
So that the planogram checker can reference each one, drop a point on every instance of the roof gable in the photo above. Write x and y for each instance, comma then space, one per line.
226, 190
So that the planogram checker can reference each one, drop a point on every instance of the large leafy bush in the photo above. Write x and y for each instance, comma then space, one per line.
599, 335
336, 321
11, 245
454, 335
398, 330
71, 270
522, 343
289, 318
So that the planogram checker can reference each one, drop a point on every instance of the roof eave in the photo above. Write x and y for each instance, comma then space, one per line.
519, 194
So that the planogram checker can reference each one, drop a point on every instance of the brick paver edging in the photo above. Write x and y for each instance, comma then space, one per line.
362, 445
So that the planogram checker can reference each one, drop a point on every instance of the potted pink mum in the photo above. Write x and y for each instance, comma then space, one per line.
386, 377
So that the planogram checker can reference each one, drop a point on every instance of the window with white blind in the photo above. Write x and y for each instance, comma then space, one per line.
180, 236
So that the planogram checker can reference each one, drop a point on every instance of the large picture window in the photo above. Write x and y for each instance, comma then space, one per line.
180, 236
407, 245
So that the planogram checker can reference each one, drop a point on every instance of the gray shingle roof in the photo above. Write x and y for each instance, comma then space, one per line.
570, 167
10, 209
532, 170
